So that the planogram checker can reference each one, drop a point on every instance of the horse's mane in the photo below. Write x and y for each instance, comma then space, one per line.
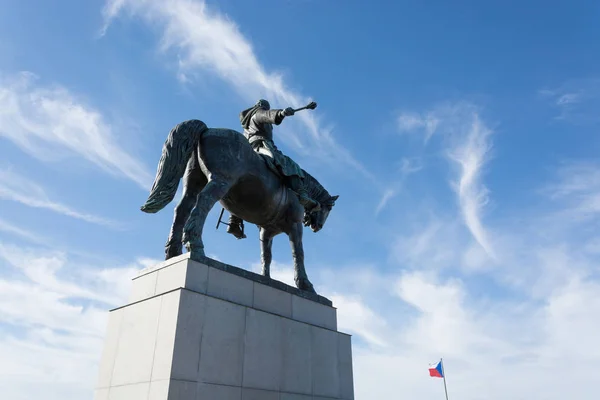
315, 189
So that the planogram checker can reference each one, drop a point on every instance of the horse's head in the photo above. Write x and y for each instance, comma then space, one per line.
317, 219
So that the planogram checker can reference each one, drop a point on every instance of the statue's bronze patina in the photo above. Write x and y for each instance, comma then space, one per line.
257, 122
248, 175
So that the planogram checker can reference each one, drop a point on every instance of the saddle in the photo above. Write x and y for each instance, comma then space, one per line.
271, 164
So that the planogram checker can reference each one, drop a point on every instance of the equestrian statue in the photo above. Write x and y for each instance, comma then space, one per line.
249, 176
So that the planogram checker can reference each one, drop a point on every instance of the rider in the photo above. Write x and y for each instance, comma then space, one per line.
257, 122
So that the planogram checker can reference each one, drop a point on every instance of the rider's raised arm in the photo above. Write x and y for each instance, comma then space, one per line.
268, 116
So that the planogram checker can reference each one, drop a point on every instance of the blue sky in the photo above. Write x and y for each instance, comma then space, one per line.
461, 137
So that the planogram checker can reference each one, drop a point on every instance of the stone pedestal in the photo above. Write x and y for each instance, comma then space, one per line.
203, 330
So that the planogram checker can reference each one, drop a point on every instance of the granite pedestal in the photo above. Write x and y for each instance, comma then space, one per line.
203, 330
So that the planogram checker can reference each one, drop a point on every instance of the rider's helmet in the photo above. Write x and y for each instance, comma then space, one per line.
264, 104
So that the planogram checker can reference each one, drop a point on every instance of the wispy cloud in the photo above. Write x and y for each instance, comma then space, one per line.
207, 41
576, 100
466, 142
7, 227
578, 185
15, 187
410, 122
51, 123
430, 244
388, 194
568, 98
407, 167
471, 153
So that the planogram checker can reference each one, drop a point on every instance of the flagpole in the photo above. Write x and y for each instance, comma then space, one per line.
444, 376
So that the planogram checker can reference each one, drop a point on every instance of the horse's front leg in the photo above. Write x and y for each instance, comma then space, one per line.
300, 277
266, 244
210, 194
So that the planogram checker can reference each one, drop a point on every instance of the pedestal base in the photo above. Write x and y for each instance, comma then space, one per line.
207, 331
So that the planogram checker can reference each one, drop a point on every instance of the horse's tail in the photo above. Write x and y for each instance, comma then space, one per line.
176, 152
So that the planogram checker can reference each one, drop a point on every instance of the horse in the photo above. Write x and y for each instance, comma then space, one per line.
219, 165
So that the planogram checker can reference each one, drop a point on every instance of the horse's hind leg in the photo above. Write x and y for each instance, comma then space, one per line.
214, 190
266, 255
193, 182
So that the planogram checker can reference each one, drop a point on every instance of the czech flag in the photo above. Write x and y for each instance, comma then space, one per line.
436, 370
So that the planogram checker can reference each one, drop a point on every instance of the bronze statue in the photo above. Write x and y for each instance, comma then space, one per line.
257, 122
221, 165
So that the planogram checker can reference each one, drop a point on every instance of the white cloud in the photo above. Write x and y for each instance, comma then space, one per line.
545, 348
528, 318
408, 167
572, 306
50, 123
279, 271
401, 321
388, 194
432, 244
206, 41
568, 98
578, 186
354, 315
576, 100
356, 318
17, 188
475, 258
533, 324
442, 308
7, 227
54, 316
471, 153
412, 122
466, 140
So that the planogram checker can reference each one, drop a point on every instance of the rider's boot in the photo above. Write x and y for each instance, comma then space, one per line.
235, 227
295, 183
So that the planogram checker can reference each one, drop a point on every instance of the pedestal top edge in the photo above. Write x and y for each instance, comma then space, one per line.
162, 265
239, 272
263, 311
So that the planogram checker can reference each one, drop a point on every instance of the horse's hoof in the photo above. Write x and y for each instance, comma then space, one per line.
196, 249
172, 251
305, 285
